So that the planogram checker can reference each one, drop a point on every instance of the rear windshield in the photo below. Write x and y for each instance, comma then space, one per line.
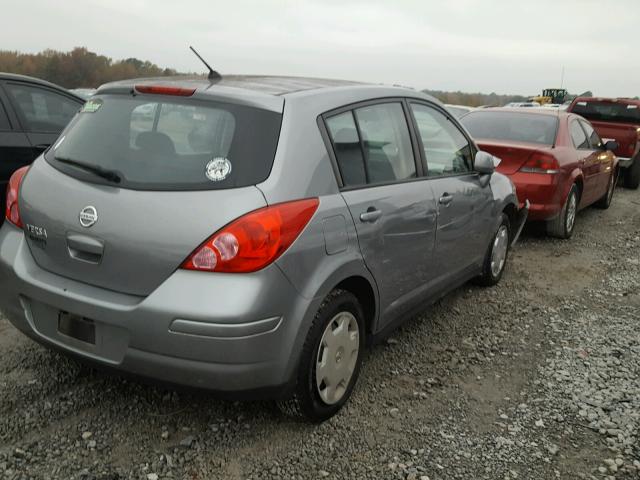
608, 111
151, 142
519, 127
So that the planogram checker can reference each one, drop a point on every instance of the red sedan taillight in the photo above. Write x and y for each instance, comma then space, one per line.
541, 163
254, 240
12, 211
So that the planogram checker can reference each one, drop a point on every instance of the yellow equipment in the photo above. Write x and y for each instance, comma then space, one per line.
550, 95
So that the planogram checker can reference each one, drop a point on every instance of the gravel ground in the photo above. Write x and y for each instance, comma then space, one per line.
536, 378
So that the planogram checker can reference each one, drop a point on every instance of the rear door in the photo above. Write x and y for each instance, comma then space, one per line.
464, 199
15, 149
587, 160
43, 112
392, 207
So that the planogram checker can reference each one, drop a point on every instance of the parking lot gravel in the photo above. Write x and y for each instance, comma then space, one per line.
537, 378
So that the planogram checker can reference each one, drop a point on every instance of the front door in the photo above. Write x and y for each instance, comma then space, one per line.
464, 198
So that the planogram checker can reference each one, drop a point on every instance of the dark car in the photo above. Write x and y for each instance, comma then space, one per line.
32, 115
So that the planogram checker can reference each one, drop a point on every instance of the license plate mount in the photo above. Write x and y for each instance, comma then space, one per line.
77, 327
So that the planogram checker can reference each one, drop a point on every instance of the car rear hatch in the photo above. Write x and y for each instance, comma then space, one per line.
613, 120
137, 182
513, 155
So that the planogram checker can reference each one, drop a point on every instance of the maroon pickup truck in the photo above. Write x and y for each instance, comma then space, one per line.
616, 119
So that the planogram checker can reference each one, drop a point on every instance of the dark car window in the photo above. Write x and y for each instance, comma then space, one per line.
606, 111
346, 144
579, 138
4, 120
42, 110
516, 126
386, 142
594, 138
447, 150
170, 143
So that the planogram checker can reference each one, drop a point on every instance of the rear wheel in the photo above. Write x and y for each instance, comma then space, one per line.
330, 360
496, 257
562, 225
605, 201
632, 174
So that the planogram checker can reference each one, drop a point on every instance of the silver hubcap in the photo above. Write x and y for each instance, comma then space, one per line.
337, 357
499, 251
571, 211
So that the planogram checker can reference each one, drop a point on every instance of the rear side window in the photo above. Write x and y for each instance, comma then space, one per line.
447, 150
386, 142
165, 143
520, 127
40, 109
607, 111
346, 143
372, 145
4, 120
578, 136
594, 138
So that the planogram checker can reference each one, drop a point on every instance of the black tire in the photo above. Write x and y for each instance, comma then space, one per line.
605, 201
561, 227
306, 402
632, 174
489, 276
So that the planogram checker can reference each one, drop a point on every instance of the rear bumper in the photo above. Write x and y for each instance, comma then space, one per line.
224, 332
542, 191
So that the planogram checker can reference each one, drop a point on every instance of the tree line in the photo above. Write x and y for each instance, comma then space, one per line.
78, 68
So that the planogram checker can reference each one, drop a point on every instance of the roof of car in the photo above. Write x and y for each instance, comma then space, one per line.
626, 101
270, 92
269, 85
528, 110
37, 81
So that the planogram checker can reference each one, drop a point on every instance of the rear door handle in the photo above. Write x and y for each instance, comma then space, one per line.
371, 215
446, 199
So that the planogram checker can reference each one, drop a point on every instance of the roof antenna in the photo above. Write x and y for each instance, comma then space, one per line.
213, 75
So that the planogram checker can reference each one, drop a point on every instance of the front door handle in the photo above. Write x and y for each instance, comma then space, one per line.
371, 215
446, 199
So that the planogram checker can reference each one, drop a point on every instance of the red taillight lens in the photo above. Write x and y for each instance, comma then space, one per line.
165, 90
541, 163
254, 240
12, 210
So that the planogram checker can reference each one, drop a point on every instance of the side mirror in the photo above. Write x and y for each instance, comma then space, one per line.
611, 145
485, 163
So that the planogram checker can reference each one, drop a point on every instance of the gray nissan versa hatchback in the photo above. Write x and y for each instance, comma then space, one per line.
249, 235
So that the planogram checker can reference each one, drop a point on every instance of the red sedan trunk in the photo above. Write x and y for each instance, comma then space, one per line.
544, 153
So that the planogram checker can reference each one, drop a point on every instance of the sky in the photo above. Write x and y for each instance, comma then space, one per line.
509, 47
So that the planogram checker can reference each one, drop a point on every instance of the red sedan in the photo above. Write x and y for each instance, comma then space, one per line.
555, 159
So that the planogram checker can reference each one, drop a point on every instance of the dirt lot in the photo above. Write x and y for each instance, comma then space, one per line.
538, 378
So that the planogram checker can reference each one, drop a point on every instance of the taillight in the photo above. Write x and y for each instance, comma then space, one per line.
254, 240
541, 163
165, 90
12, 210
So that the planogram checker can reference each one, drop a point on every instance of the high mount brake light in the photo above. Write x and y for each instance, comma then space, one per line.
165, 90
254, 240
541, 163
12, 210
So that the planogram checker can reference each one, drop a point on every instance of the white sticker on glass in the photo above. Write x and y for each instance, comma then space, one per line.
218, 169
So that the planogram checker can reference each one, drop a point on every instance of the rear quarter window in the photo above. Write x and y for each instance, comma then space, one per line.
162, 143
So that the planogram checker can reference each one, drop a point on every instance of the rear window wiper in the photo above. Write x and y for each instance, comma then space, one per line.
110, 175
